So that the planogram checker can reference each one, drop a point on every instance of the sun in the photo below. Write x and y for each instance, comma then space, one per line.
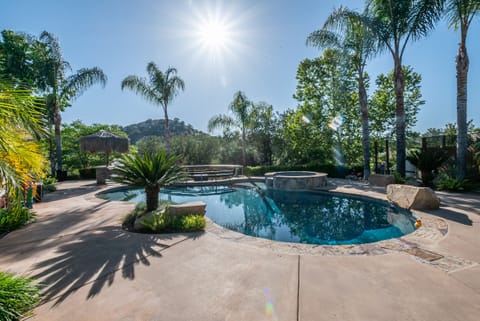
214, 34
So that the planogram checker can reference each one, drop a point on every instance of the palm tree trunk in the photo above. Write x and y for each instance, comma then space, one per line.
244, 147
399, 82
167, 130
57, 120
51, 152
152, 197
462, 74
362, 93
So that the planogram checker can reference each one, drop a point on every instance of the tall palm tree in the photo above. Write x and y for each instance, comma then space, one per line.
160, 89
460, 14
240, 108
152, 171
395, 23
62, 89
343, 31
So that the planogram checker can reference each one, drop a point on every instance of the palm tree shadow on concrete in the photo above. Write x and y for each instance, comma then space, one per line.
95, 258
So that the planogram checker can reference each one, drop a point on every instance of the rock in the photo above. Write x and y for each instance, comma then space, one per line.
187, 208
381, 180
412, 197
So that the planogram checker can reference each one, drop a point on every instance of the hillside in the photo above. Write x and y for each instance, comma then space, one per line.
156, 127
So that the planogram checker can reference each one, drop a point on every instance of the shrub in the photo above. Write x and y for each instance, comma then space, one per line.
450, 183
18, 295
161, 222
14, 216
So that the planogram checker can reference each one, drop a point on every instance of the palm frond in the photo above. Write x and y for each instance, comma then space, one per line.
324, 39
220, 122
140, 87
83, 79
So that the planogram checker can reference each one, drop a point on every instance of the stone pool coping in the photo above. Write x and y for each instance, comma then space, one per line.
415, 244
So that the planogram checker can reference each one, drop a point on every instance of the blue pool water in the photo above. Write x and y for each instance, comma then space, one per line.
291, 216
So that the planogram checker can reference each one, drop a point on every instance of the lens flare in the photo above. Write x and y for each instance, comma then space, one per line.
336, 122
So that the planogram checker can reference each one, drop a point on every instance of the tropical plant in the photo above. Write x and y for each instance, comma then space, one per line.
344, 32
160, 89
62, 89
152, 171
18, 296
240, 109
460, 14
20, 122
427, 162
395, 24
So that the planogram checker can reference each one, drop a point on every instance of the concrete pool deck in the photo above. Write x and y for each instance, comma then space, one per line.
91, 269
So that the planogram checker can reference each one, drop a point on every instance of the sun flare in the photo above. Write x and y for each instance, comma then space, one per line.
214, 34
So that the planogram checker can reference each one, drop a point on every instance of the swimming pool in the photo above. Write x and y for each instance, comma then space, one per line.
290, 216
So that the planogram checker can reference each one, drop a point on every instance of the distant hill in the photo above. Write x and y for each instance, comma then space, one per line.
156, 127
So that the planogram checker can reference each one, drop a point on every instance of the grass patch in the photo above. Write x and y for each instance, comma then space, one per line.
18, 295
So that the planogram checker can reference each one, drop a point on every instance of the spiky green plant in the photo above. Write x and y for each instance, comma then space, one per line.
18, 295
152, 171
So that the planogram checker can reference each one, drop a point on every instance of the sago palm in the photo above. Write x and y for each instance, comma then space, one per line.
240, 109
345, 32
62, 89
395, 24
151, 171
160, 89
460, 14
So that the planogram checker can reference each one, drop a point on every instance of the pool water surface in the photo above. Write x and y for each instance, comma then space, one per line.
290, 216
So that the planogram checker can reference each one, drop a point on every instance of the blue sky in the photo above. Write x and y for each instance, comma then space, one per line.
262, 43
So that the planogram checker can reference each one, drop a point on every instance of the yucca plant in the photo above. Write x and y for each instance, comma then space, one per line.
151, 171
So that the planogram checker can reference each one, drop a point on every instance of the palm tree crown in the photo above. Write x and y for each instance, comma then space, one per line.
240, 109
152, 171
160, 89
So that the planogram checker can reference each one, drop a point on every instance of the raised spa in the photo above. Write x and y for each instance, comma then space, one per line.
295, 180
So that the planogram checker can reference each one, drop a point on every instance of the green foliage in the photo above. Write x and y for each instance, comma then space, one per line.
152, 171
446, 182
161, 222
383, 103
326, 89
18, 295
428, 162
15, 215
73, 158
399, 179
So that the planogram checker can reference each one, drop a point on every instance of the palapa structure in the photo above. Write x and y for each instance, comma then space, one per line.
104, 142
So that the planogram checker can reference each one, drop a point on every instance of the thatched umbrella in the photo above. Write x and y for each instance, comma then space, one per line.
104, 142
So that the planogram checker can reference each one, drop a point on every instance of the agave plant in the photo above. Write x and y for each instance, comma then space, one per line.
152, 171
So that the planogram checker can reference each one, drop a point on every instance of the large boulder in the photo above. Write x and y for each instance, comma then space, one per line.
381, 180
412, 197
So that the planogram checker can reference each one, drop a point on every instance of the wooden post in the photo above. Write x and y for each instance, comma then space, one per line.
375, 147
